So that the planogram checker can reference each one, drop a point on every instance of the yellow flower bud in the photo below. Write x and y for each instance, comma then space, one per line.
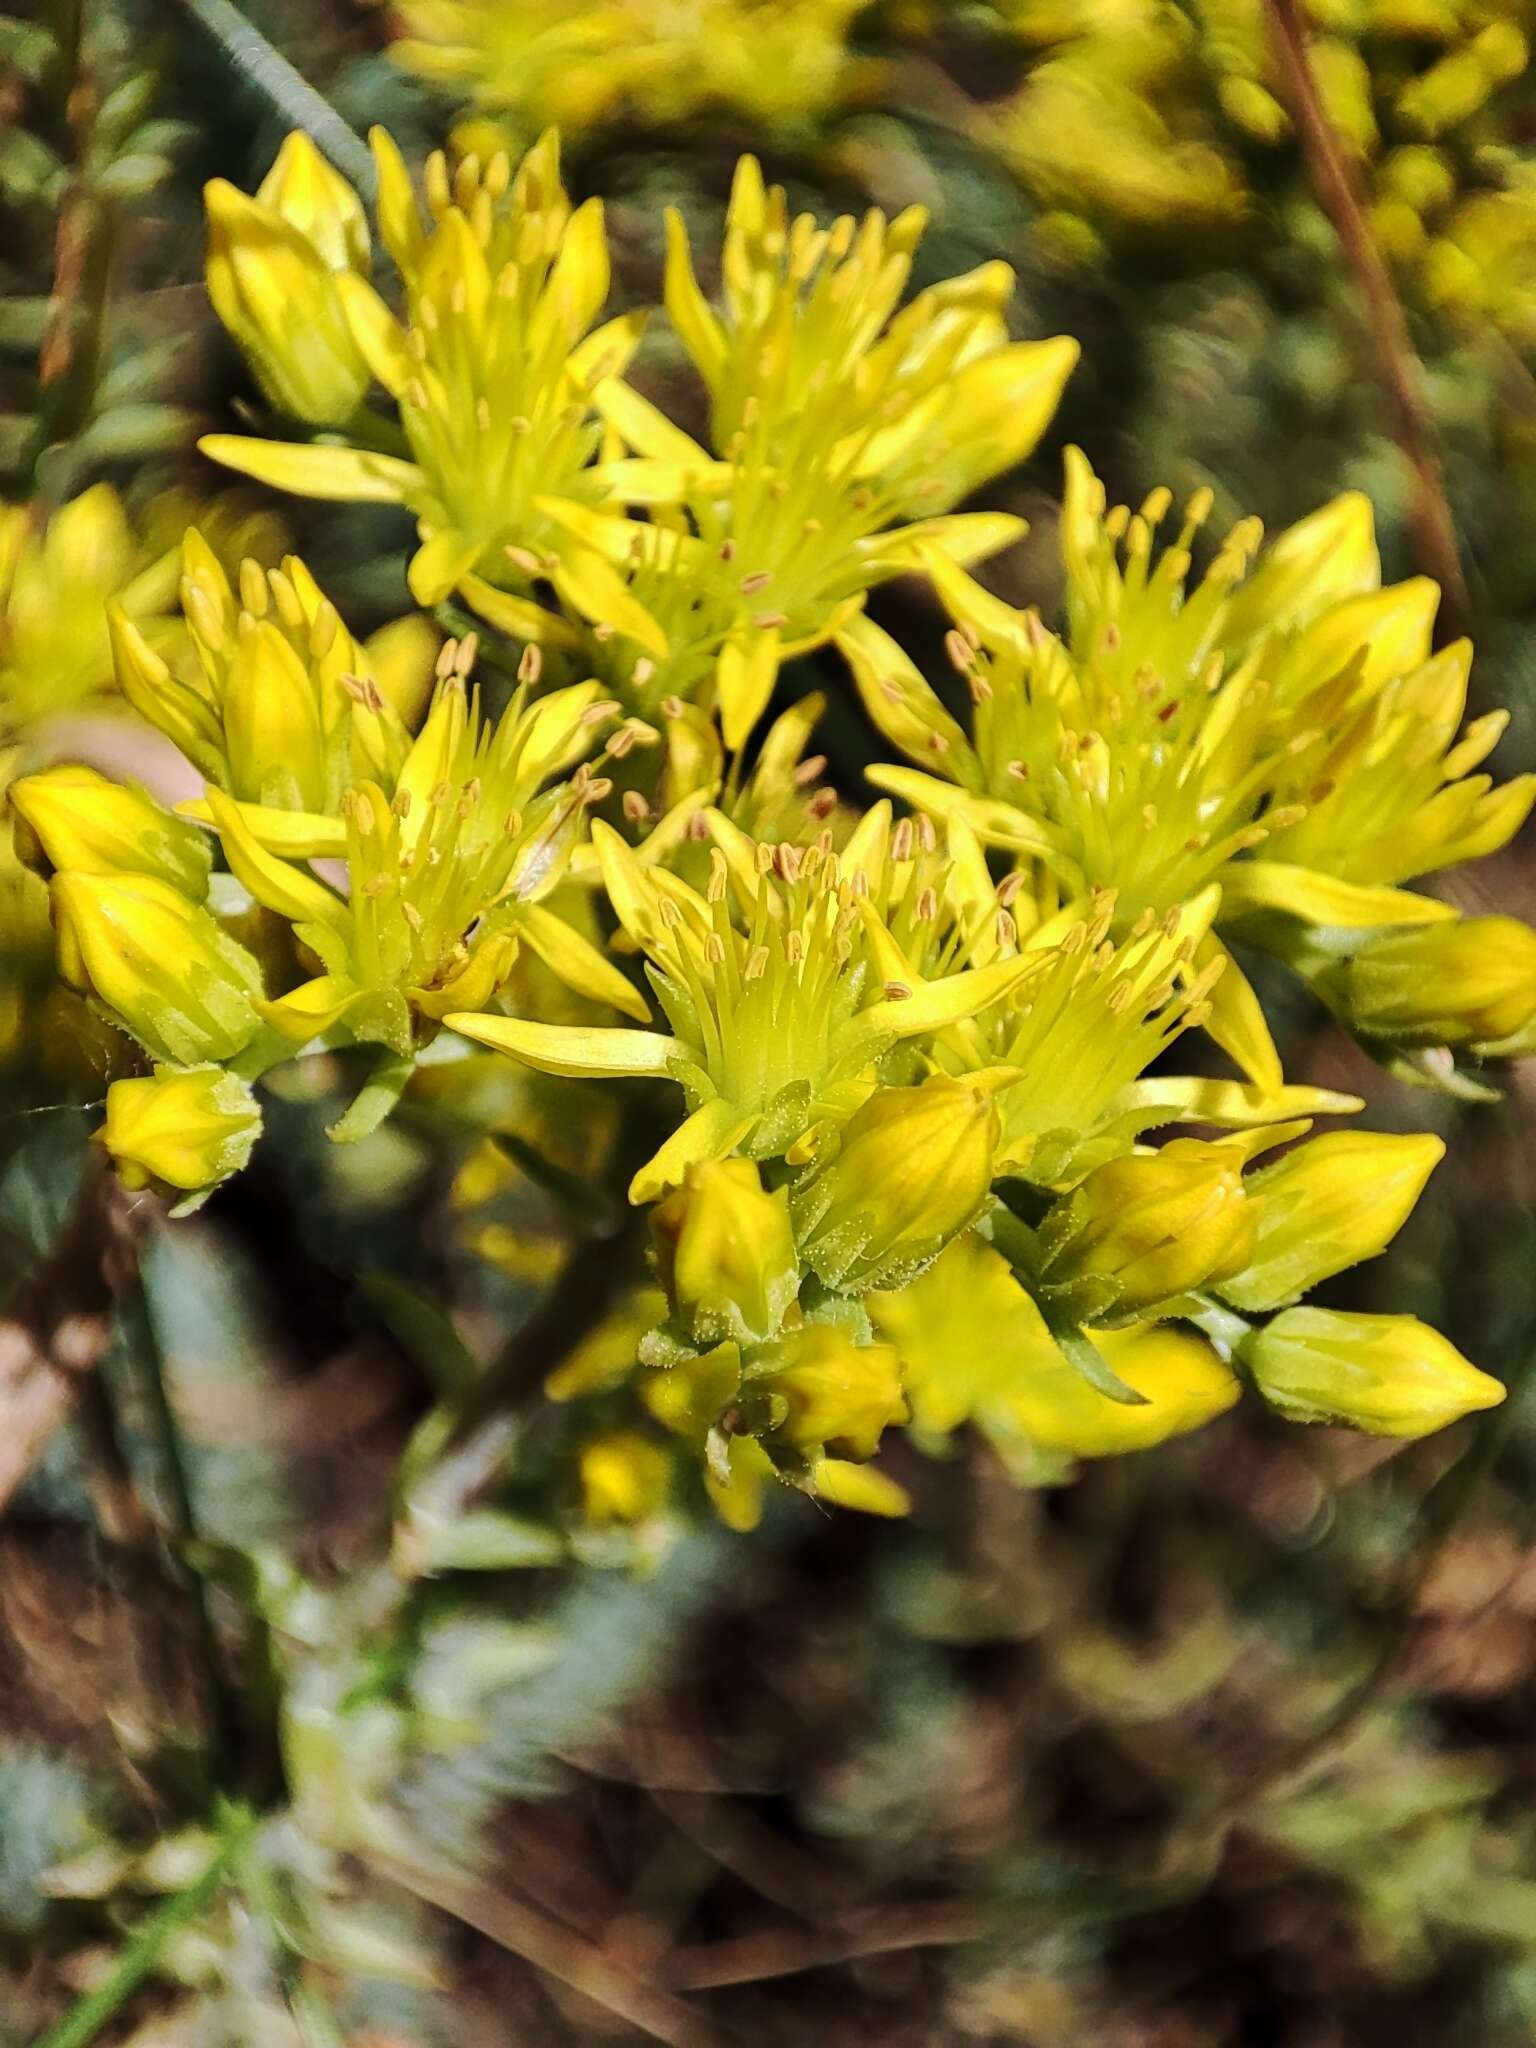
272, 730
172, 977
825, 1391
1327, 1205
913, 1168
1140, 1231
624, 1476
187, 1128
305, 191
1471, 981
726, 1254
1388, 1375
273, 285
83, 822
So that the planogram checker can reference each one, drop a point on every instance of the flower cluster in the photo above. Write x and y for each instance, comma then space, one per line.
1139, 118
779, 63
898, 1084
563, 505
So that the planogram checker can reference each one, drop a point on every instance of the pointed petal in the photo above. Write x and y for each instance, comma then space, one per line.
570, 1048
1260, 885
315, 471
712, 1132
578, 963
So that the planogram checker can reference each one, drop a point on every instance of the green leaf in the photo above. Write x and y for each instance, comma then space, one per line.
374, 1100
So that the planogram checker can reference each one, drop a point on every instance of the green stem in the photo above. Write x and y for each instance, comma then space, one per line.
145, 1946
1227, 1330
288, 90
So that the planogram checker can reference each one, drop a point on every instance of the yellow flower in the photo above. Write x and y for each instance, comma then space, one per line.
1067, 1051
159, 963
493, 371
843, 431
281, 710
273, 262
188, 1128
760, 1423
778, 1015
973, 1347
908, 1172
577, 63
826, 1393
726, 1254
56, 579
81, 821
1325, 1206
1288, 736
1388, 1375
1139, 1232
446, 868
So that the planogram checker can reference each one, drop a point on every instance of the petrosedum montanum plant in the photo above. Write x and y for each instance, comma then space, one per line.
903, 1085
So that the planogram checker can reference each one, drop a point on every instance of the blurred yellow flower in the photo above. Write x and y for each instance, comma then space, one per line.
577, 63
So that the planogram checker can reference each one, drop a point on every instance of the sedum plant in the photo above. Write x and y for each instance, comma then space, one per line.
923, 1086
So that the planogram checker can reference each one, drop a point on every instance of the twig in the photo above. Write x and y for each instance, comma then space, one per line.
288, 90
1397, 366
557, 1951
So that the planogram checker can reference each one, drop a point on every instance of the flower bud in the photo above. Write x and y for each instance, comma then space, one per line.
826, 1392
272, 283
1327, 1205
1388, 1375
85, 823
1468, 981
912, 1170
272, 729
1140, 1231
186, 1128
726, 1254
173, 978
303, 189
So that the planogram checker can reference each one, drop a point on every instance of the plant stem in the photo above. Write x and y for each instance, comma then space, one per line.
288, 90
143, 1949
69, 359
1337, 185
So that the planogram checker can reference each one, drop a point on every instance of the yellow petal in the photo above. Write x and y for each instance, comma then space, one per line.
315, 471
578, 963
594, 588
570, 1048
712, 1132
646, 428
518, 616
296, 835
440, 562
277, 883
899, 699
1259, 885
745, 675
1236, 1020
311, 1009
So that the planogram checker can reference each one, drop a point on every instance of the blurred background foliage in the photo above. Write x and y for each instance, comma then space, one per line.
309, 1738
